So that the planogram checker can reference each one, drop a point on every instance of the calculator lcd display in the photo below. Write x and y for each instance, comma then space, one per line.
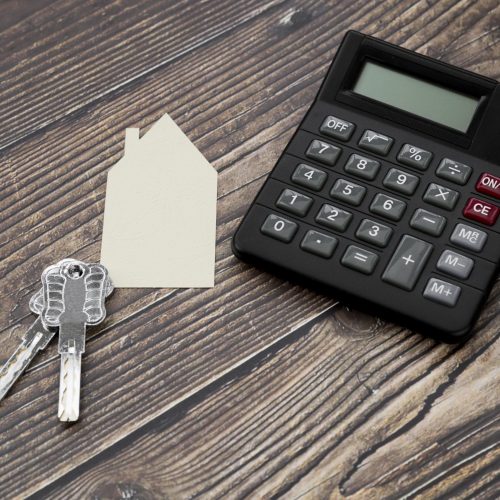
420, 97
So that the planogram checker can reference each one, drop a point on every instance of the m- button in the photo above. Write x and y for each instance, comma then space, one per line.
481, 211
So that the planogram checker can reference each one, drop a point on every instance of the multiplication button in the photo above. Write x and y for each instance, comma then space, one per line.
359, 259
414, 156
338, 128
323, 152
442, 292
469, 237
407, 263
441, 196
319, 244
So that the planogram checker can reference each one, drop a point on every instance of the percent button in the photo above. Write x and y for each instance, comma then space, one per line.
414, 156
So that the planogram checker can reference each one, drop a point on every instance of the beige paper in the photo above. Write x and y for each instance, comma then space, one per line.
159, 217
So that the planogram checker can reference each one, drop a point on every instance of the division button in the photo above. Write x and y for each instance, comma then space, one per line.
481, 211
359, 259
455, 264
469, 237
442, 292
348, 192
400, 181
279, 228
309, 177
363, 167
441, 196
323, 152
407, 262
388, 207
294, 202
454, 171
333, 217
319, 244
414, 157
375, 142
489, 184
338, 128
374, 233
428, 222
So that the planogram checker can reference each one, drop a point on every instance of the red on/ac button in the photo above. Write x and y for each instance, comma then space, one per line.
481, 211
489, 184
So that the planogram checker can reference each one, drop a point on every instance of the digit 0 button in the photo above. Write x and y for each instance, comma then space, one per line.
279, 228
481, 211
489, 184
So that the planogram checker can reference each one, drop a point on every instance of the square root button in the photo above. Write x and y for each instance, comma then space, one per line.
442, 292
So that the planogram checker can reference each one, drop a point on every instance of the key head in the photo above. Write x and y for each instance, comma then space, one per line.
73, 291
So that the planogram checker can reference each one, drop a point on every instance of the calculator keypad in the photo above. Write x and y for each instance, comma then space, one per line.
348, 192
293, 202
319, 244
333, 217
362, 167
309, 177
388, 207
400, 181
441, 196
414, 156
323, 152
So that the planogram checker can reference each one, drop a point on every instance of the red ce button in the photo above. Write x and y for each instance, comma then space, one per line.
481, 211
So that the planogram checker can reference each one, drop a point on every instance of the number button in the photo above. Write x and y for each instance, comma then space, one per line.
294, 202
348, 192
323, 152
400, 181
388, 207
454, 171
309, 177
360, 166
333, 217
335, 127
319, 244
279, 228
441, 197
375, 142
414, 157
359, 259
374, 232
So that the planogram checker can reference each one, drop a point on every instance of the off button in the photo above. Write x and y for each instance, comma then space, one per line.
481, 211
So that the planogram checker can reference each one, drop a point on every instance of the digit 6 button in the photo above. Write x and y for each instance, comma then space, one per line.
481, 211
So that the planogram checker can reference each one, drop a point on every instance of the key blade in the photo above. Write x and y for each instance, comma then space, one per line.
35, 339
69, 387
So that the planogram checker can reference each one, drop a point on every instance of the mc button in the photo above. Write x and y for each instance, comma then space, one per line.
481, 211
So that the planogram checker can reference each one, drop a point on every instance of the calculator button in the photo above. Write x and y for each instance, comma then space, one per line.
323, 152
309, 177
442, 292
375, 142
407, 262
469, 237
489, 184
481, 211
319, 244
414, 157
279, 228
454, 171
400, 181
363, 167
348, 192
428, 222
360, 259
388, 207
455, 264
441, 197
335, 127
333, 217
294, 202
374, 232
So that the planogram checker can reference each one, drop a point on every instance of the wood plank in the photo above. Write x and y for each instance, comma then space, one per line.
390, 415
160, 347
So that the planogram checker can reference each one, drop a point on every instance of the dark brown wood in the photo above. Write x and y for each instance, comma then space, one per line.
256, 387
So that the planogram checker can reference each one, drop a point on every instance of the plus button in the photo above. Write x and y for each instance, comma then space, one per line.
408, 260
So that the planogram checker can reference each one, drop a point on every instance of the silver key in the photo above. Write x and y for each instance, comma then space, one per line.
35, 339
73, 295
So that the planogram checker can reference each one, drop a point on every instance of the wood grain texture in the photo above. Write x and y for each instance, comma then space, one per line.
180, 388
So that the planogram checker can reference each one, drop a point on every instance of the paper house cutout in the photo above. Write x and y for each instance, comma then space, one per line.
160, 212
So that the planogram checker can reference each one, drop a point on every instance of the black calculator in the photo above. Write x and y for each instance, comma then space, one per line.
387, 195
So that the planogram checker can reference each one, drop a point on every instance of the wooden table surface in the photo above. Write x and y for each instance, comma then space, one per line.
257, 387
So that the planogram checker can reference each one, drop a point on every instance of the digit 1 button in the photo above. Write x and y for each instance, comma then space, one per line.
309, 177
481, 211
294, 202
374, 233
407, 262
414, 157
279, 228
489, 184
366, 168
323, 152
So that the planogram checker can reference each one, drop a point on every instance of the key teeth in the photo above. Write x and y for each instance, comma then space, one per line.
69, 388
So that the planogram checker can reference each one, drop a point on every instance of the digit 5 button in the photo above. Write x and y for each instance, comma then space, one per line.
481, 211
489, 184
